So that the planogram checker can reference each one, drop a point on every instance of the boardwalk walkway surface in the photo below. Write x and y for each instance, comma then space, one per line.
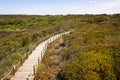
27, 70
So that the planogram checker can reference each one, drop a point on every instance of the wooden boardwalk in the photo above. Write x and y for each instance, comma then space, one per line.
27, 70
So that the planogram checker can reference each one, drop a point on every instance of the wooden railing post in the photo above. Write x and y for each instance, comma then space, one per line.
53, 38
38, 60
43, 49
41, 55
27, 78
50, 39
13, 70
34, 70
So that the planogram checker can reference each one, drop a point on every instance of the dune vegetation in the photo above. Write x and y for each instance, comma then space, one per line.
90, 52
20, 34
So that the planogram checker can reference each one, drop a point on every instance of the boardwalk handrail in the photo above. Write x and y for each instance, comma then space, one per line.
50, 40
12, 71
16, 67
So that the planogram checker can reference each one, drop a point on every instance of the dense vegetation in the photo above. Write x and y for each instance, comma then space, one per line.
19, 34
92, 52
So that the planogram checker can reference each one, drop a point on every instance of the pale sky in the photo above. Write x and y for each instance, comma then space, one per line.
53, 7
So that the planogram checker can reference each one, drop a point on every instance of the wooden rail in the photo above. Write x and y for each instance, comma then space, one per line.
30, 76
15, 67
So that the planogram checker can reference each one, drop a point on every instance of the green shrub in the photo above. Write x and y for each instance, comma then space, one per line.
40, 71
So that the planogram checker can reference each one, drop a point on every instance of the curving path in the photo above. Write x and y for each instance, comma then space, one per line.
27, 70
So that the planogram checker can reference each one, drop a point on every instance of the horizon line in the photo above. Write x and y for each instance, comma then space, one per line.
62, 14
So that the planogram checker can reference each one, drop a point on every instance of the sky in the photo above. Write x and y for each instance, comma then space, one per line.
55, 7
